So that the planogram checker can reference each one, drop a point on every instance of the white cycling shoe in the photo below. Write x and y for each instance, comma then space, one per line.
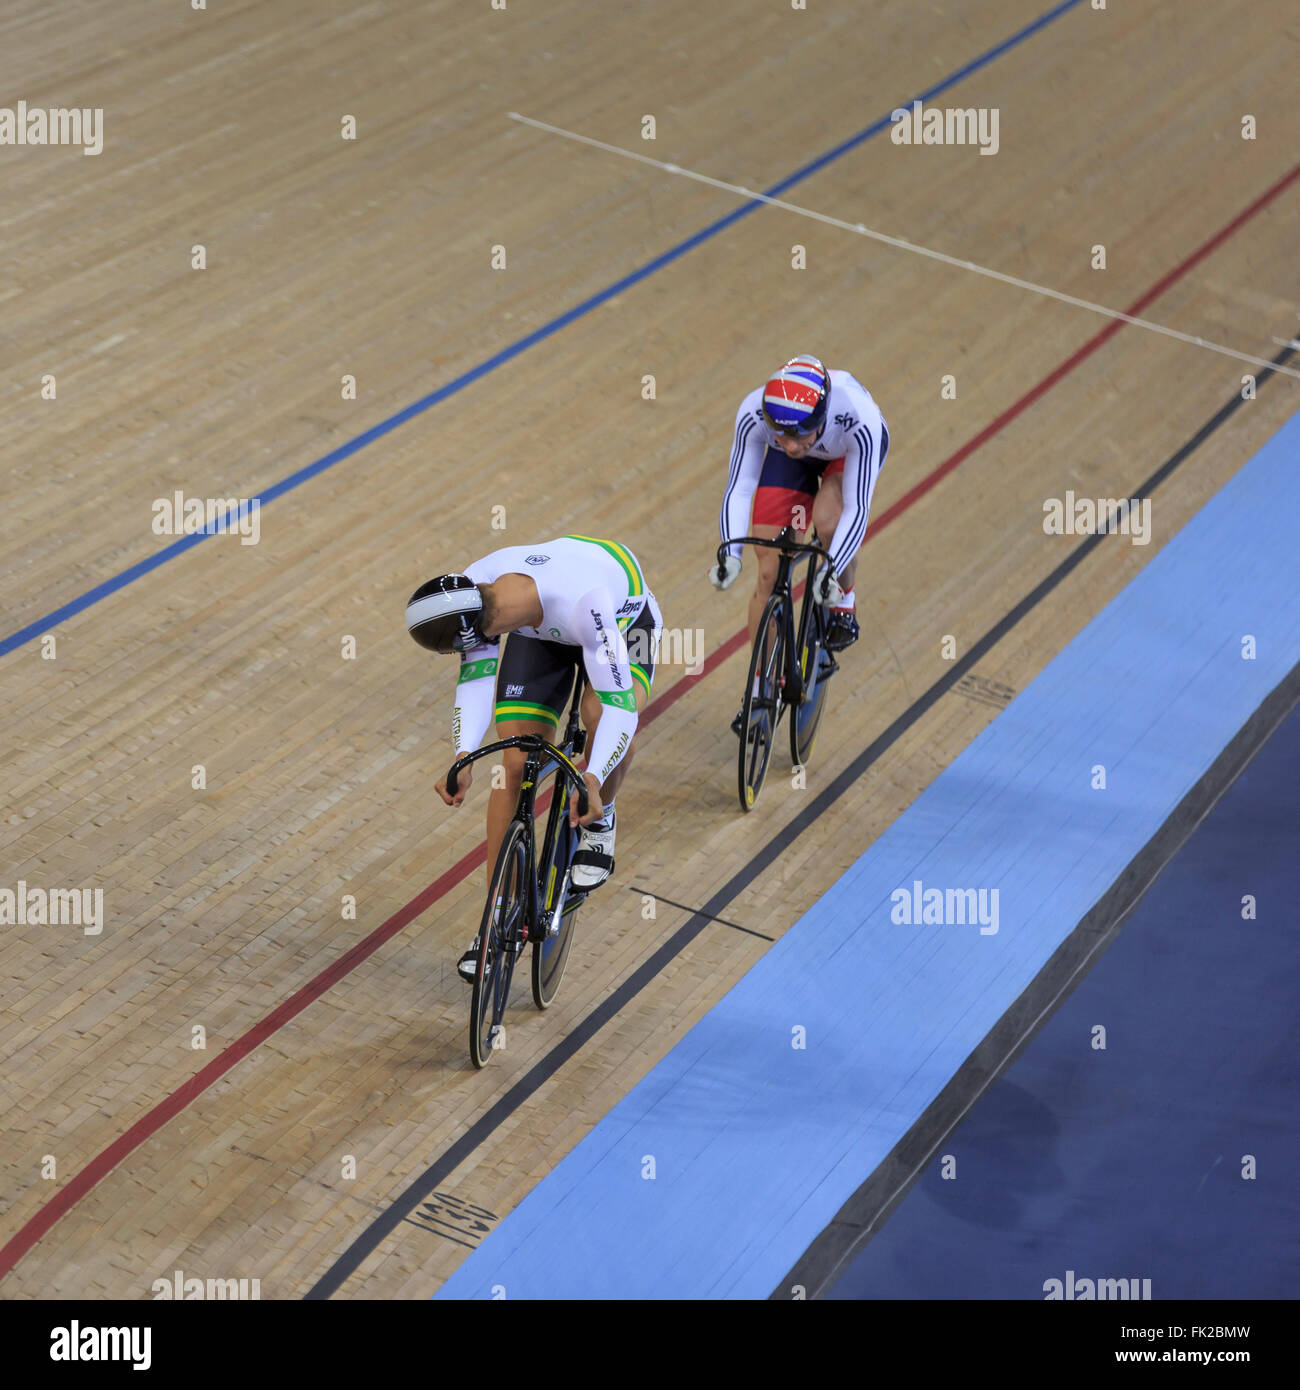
467, 965
593, 860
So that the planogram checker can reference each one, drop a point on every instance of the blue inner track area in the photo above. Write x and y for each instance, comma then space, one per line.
1134, 1162
712, 1175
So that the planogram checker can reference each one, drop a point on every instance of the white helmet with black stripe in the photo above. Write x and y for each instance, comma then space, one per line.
446, 614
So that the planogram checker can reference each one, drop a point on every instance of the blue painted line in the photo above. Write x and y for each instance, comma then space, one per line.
507, 354
757, 1143
1131, 1162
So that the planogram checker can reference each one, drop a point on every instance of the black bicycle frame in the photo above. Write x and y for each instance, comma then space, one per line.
791, 548
534, 768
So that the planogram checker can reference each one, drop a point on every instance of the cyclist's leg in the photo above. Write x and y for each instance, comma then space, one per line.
768, 561
842, 629
828, 507
786, 491
597, 838
534, 681
642, 638
502, 800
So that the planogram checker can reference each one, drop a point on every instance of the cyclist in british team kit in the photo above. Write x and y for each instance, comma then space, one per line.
808, 448
561, 602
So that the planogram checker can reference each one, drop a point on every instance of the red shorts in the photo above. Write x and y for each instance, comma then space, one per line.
786, 488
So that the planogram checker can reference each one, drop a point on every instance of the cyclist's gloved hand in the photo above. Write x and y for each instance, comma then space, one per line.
724, 576
827, 590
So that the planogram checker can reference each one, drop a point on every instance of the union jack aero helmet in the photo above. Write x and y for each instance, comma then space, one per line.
796, 398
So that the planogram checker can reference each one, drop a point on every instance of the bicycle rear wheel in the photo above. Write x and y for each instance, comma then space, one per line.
557, 904
761, 711
816, 666
503, 920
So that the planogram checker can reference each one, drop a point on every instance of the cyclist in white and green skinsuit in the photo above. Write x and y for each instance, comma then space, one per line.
562, 601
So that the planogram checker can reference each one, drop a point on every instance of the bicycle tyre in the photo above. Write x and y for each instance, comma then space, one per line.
766, 668
815, 662
551, 953
497, 934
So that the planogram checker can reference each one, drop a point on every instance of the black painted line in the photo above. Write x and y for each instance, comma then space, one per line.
880, 1194
659, 897
551, 1062
866, 1211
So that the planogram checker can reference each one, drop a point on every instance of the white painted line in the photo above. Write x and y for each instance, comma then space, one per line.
860, 230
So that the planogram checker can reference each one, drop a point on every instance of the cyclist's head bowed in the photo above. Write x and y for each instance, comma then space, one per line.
450, 614
796, 398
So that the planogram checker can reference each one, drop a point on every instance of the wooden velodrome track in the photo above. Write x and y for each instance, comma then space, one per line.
372, 258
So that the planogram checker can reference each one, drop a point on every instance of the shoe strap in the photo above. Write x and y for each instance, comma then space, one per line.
593, 859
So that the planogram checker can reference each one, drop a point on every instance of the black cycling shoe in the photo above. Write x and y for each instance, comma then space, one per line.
738, 723
841, 630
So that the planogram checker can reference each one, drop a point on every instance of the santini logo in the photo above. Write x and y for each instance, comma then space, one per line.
537, 559
77, 1343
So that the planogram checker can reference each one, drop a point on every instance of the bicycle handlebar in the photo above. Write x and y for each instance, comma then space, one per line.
789, 546
535, 743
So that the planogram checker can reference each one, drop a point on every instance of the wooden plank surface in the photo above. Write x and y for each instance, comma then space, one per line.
372, 258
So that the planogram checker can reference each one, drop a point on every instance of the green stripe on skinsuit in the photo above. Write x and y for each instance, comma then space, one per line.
516, 709
635, 580
472, 670
620, 699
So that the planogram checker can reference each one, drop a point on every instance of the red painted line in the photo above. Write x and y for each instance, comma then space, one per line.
1071, 362
152, 1121
148, 1124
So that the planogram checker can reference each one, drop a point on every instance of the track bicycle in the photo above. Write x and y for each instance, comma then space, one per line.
530, 898
789, 668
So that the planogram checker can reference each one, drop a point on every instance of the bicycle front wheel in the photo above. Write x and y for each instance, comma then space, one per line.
816, 666
557, 904
761, 711
503, 921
